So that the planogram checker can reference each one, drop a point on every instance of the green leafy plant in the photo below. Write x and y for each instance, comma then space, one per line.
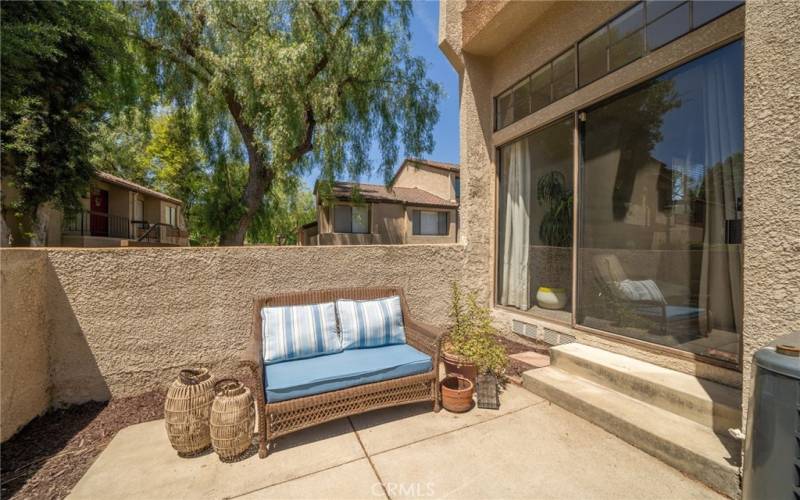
552, 193
472, 334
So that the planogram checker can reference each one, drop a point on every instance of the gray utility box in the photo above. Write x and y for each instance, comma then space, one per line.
772, 447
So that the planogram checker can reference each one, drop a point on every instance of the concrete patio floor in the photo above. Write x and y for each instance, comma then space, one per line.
528, 449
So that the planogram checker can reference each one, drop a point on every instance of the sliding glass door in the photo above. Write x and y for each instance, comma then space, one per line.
535, 221
659, 230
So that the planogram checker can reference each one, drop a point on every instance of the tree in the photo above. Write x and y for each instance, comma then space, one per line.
165, 154
63, 68
291, 85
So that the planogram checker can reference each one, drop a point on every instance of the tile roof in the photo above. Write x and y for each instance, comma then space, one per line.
379, 193
119, 181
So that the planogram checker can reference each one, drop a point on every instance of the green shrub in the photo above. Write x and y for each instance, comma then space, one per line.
473, 336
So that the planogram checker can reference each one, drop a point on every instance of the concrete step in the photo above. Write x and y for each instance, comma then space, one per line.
708, 403
684, 444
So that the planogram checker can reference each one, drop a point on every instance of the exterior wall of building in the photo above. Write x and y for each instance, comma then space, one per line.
89, 324
388, 222
772, 176
450, 237
433, 180
771, 235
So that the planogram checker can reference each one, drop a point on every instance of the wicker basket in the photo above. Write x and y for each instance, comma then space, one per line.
187, 410
232, 419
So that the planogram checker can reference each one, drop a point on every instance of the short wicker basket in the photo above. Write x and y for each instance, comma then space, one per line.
232, 419
187, 410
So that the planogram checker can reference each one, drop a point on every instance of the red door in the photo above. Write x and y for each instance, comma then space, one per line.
98, 212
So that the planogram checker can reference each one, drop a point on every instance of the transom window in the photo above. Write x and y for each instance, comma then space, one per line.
431, 223
645, 27
657, 246
351, 219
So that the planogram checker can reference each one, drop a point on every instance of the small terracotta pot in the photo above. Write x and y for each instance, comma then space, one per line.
457, 393
454, 363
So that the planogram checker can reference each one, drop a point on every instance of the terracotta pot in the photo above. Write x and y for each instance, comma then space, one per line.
457, 393
454, 363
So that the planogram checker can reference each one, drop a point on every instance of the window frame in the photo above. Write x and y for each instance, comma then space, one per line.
416, 230
577, 112
577, 85
350, 206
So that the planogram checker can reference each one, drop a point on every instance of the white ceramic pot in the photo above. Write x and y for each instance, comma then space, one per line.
551, 298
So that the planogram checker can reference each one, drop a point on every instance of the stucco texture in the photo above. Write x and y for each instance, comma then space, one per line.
772, 175
772, 169
24, 371
117, 322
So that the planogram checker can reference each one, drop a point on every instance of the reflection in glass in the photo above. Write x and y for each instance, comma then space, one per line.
626, 24
661, 191
627, 50
657, 8
592, 62
564, 74
540, 88
535, 222
704, 11
668, 28
522, 100
505, 115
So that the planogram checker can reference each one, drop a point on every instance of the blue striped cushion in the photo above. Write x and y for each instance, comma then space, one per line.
296, 332
371, 323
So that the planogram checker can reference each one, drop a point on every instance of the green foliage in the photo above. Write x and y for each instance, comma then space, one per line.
166, 154
290, 85
63, 68
552, 192
472, 334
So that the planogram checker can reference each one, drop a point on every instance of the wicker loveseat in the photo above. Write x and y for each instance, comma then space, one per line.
285, 407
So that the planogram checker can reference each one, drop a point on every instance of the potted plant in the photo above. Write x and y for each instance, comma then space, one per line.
470, 347
555, 230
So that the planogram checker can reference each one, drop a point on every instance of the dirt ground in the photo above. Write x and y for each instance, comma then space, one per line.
50, 454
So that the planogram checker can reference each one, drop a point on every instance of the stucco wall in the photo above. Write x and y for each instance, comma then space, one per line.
24, 370
772, 175
772, 224
433, 180
117, 322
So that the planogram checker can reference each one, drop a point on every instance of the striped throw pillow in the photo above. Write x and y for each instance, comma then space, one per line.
371, 323
296, 332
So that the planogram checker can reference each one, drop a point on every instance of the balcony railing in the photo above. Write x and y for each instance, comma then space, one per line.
114, 226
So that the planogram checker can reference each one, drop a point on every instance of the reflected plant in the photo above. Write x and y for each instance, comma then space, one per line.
555, 229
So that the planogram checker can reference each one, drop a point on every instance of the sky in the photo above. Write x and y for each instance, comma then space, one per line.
424, 43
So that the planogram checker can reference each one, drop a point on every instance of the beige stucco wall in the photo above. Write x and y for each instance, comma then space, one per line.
771, 224
24, 367
433, 180
117, 322
772, 175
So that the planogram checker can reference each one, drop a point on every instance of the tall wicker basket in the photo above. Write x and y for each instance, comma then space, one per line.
232, 418
187, 410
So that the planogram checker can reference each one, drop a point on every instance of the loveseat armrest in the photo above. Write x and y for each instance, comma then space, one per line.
425, 338
251, 357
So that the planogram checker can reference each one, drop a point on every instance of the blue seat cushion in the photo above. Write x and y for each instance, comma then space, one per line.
350, 368
672, 313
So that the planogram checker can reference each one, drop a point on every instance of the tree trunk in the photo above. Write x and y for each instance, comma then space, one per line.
259, 178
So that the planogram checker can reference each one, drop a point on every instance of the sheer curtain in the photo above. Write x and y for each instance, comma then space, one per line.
515, 273
721, 273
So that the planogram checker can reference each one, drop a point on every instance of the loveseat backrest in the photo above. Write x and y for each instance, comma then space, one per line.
321, 296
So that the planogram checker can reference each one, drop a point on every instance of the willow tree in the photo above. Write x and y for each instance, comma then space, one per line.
291, 85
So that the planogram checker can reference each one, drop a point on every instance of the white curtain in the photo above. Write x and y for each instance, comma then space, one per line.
721, 274
515, 228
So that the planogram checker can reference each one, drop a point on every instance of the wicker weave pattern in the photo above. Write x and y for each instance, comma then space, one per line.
232, 417
187, 409
278, 419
